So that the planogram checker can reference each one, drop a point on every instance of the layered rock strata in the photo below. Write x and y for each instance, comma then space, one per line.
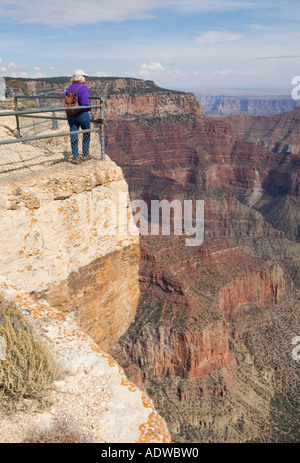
279, 133
208, 315
127, 97
212, 337
222, 105
68, 237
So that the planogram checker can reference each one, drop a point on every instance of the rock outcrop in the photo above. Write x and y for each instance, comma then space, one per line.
69, 257
279, 133
247, 189
93, 400
68, 237
127, 97
222, 105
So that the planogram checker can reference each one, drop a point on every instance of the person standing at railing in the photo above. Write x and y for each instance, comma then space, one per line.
82, 118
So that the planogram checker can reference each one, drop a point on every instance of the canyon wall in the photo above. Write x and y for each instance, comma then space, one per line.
279, 133
126, 97
69, 261
222, 105
205, 331
68, 238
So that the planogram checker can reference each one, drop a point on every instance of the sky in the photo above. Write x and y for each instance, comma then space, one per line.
179, 44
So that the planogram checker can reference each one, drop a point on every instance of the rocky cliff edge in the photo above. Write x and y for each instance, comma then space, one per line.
69, 260
94, 395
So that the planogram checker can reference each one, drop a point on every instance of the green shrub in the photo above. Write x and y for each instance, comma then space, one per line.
27, 365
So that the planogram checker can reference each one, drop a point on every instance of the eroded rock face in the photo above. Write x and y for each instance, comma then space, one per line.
222, 105
156, 105
69, 238
260, 288
279, 133
184, 328
126, 97
208, 316
246, 188
93, 398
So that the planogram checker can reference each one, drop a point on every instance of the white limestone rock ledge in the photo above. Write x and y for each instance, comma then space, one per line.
69, 237
94, 396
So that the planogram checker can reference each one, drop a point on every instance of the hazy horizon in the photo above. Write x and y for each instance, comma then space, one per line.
213, 90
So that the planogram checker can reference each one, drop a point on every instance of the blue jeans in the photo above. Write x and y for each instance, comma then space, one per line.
82, 121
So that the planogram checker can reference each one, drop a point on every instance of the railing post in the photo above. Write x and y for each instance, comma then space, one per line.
54, 122
102, 132
17, 118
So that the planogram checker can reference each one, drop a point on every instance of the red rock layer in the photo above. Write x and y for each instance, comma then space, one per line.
261, 288
102, 296
186, 354
199, 158
280, 133
197, 303
189, 299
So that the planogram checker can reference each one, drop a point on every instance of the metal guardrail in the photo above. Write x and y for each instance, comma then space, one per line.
37, 132
52, 95
28, 112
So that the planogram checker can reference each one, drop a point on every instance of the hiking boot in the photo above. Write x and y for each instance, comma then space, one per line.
76, 161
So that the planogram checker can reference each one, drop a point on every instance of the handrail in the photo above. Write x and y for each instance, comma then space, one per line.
55, 96
46, 135
53, 109
49, 109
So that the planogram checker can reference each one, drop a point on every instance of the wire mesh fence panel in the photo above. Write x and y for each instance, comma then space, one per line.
40, 126
45, 142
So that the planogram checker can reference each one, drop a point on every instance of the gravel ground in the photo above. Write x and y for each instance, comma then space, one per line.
72, 414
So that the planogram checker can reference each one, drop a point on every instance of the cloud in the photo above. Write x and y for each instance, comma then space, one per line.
12, 65
19, 74
13, 69
100, 74
212, 37
152, 67
259, 27
277, 57
241, 72
217, 5
281, 9
146, 71
74, 12
157, 72
38, 75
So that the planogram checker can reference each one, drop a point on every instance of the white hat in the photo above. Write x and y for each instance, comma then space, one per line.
79, 72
